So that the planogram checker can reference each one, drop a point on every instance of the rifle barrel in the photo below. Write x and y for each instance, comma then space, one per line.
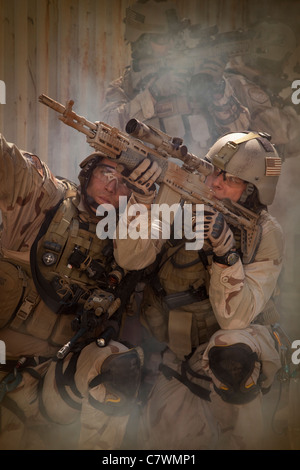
69, 116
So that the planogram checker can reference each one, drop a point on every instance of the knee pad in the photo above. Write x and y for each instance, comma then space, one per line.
121, 375
232, 367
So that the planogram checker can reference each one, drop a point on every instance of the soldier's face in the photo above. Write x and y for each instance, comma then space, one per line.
106, 185
226, 186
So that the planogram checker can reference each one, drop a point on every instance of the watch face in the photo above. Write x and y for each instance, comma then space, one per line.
232, 258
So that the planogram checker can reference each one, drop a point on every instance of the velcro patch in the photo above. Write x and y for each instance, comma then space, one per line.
273, 166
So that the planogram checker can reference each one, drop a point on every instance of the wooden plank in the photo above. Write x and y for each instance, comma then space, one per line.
42, 76
21, 70
31, 102
2, 83
60, 134
8, 54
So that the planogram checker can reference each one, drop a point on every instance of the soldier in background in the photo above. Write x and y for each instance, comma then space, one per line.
183, 99
262, 80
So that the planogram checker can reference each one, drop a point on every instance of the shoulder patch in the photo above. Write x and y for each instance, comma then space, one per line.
257, 95
35, 161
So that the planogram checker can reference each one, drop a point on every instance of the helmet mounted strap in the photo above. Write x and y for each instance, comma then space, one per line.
229, 149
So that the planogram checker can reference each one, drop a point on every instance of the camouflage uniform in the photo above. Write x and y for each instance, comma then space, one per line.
29, 327
280, 120
234, 302
159, 94
176, 114
212, 414
262, 82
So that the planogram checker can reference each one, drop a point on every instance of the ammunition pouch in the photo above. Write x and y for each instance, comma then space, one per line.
182, 319
175, 105
22, 309
180, 299
32, 296
93, 268
13, 280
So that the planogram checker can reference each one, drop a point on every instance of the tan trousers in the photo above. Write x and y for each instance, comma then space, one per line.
66, 427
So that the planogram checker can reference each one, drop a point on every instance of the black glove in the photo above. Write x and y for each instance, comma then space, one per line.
217, 232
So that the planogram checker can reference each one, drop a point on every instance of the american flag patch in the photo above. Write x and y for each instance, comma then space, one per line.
273, 166
133, 16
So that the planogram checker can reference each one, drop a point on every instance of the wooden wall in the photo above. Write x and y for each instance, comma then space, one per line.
71, 49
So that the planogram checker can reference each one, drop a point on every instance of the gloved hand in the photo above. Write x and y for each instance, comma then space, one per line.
141, 180
167, 84
217, 232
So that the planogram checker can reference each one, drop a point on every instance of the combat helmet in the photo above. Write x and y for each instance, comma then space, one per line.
87, 166
251, 157
150, 17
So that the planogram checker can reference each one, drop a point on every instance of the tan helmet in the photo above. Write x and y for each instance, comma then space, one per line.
251, 157
87, 166
149, 17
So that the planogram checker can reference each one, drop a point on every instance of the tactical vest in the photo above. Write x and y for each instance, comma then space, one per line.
180, 116
68, 261
176, 307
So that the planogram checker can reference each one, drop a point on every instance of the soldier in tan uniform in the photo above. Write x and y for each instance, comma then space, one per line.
214, 312
59, 278
191, 101
262, 82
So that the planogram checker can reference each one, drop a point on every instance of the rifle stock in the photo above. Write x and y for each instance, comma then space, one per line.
183, 182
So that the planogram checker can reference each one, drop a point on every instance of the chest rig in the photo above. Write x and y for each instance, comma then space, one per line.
176, 303
68, 260
68, 263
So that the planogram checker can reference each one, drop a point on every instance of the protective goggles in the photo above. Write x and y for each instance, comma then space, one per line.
231, 180
107, 174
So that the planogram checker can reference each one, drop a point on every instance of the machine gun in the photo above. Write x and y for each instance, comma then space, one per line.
178, 183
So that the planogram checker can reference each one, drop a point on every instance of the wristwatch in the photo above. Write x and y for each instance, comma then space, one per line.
229, 259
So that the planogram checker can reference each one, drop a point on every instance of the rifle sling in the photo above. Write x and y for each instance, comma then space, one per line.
45, 290
196, 389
